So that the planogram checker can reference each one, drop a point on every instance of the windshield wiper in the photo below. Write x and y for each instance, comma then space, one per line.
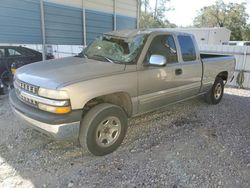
109, 60
81, 54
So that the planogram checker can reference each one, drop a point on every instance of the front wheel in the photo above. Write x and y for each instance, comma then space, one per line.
215, 95
1, 89
6, 78
103, 129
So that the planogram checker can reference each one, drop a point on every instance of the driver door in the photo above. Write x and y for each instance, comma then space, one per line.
159, 86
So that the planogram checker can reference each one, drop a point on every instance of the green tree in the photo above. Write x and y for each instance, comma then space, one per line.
145, 5
232, 16
160, 9
155, 18
147, 20
246, 33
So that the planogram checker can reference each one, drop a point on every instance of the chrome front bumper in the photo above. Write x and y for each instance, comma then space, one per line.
59, 127
58, 132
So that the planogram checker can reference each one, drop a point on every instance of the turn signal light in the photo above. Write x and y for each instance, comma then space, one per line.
54, 109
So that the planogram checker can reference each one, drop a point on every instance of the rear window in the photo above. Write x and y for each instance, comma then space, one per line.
29, 52
2, 54
187, 48
13, 52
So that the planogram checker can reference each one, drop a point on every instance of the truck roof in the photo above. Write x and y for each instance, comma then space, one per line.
133, 32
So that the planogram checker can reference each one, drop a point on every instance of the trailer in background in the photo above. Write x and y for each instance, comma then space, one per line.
239, 43
209, 36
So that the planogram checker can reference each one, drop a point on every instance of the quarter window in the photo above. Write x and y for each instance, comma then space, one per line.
187, 48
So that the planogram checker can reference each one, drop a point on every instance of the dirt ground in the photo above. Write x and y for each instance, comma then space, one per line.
191, 144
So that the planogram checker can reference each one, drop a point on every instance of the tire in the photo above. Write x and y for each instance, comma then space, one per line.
103, 129
2, 91
6, 79
215, 95
1, 88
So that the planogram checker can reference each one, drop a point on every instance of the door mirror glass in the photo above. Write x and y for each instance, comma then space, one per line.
157, 60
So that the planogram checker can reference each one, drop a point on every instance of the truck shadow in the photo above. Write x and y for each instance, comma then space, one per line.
29, 159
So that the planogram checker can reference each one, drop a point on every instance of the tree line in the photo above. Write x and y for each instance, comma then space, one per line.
230, 15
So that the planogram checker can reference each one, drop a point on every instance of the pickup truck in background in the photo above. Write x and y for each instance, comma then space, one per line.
120, 75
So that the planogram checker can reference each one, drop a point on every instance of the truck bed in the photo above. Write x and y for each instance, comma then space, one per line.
214, 64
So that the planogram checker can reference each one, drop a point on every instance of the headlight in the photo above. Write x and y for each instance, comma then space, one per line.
54, 101
53, 94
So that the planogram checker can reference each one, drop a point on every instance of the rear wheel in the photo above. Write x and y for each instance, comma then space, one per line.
103, 129
215, 95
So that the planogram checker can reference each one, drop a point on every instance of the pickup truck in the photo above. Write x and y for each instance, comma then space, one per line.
120, 75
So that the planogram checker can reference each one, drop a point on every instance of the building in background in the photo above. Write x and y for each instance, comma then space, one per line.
64, 25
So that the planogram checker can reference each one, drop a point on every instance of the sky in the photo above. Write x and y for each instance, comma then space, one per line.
185, 10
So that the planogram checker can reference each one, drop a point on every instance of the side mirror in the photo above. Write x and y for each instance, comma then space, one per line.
157, 60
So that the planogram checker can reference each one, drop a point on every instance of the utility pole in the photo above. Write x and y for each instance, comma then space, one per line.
43, 30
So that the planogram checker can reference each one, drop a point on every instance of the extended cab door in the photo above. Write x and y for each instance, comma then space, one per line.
191, 66
158, 86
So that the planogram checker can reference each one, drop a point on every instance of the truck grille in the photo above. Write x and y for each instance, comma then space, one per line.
26, 87
27, 100
22, 86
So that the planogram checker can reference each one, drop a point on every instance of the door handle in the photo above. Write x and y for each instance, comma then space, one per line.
178, 71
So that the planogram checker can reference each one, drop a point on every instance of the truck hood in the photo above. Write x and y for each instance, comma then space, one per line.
56, 73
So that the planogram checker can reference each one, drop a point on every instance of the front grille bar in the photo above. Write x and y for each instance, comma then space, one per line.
27, 87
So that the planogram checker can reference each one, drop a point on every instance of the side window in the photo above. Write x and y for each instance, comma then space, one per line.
2, 54
187, 48
171, 49
163, 45
13, 52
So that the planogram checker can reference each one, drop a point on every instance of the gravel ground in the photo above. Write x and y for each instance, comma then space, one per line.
191, 144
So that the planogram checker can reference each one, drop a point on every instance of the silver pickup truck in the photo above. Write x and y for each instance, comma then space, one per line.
120, 75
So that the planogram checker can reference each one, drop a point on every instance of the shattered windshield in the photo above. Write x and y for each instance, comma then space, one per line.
115, 50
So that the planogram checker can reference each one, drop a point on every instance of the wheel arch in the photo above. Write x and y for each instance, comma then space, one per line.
223, 75
121, 99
